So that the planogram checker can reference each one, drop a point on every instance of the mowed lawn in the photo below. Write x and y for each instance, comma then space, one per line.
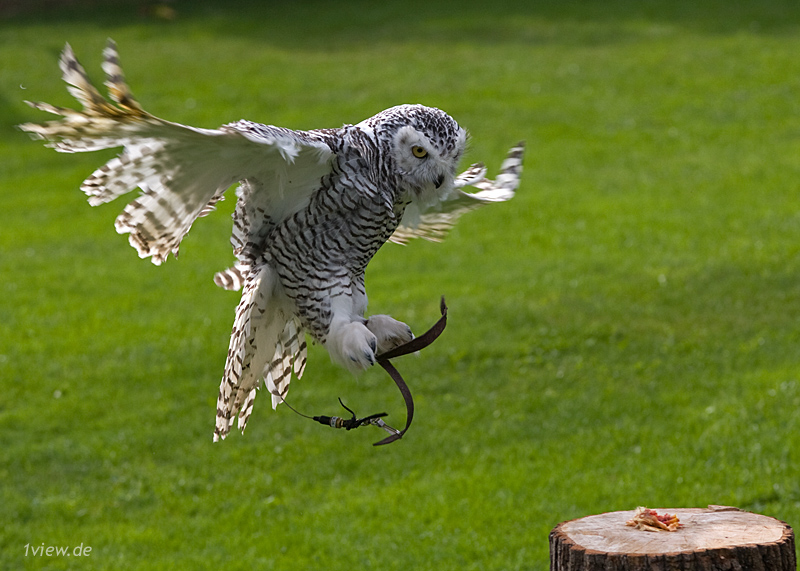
625, 332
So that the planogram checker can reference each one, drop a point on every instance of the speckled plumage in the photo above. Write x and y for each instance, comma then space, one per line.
313, 207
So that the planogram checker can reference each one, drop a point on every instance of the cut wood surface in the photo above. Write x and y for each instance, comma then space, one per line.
717, 537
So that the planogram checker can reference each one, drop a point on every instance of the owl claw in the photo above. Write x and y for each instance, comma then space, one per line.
368, 355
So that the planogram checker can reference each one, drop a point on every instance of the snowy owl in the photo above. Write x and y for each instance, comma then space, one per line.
312, 209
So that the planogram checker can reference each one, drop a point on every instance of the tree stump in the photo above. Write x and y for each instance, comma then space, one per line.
717, 538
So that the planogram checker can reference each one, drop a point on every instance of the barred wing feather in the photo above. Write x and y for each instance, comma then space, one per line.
182, 171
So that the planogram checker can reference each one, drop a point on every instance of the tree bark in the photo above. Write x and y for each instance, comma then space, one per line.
714, 539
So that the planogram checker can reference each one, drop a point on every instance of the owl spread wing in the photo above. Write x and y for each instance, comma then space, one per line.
433, 222
182, 171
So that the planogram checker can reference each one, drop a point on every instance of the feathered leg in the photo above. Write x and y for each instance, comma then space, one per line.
354, 342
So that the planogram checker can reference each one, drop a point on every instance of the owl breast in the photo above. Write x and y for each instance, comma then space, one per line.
322, 251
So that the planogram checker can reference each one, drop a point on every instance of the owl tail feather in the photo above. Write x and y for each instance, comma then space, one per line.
267, 346
233, 277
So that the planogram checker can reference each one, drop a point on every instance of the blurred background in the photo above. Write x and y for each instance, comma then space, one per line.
624, 332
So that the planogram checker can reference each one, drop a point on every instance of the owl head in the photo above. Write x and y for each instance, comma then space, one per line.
423, 145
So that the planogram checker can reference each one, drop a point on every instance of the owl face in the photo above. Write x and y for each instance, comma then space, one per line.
425, 145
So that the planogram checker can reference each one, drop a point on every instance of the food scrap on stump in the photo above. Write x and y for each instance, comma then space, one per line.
648, 520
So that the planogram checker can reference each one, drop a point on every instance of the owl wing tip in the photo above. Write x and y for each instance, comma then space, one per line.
118, 88
434, 225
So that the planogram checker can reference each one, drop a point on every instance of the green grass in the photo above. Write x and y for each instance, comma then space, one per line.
624, 333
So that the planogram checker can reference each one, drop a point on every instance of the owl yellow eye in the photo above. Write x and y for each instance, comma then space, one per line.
419, 152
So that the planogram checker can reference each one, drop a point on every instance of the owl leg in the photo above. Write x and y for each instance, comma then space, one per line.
350, 343
389, 332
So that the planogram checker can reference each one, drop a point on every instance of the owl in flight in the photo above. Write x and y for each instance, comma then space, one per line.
312, 209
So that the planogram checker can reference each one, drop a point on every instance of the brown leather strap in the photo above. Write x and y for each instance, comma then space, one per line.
419, 343
416, 344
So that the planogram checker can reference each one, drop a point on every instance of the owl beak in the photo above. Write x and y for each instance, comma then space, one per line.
440, 181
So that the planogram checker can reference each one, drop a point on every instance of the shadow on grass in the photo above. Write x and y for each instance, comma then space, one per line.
336, 25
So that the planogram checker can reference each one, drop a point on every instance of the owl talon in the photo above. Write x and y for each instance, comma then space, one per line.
369, 356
